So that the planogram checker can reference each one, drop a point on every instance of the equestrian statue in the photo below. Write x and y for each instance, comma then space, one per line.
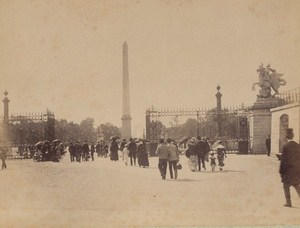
268, 79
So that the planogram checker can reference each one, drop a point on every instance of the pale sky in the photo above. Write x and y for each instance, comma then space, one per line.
67, 55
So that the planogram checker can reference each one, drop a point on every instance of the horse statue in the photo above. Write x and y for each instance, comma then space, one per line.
268, 79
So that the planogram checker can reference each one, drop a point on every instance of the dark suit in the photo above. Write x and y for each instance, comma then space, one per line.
268, 145
201, 153
132, 147
290, 169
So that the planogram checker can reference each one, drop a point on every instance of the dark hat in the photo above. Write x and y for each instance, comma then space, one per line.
289, 133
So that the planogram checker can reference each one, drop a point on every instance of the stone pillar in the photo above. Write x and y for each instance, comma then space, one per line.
126, 119
6, 109
219, 117
4, 134
260, 123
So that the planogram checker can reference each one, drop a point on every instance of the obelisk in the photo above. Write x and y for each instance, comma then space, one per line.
126, 119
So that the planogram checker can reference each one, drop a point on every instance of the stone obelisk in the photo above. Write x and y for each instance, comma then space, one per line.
126, 119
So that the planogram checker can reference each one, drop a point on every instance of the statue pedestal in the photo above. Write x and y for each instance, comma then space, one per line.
260, 123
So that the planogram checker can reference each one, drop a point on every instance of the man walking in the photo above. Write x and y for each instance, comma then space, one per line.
201, 153
92, 151
162, 153
173, 157
78, 151
290, 166
3, 155
86, 150
72, 151
268, 145
98, 149
132, 147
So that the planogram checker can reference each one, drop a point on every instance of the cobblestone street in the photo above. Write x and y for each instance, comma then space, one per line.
109, 194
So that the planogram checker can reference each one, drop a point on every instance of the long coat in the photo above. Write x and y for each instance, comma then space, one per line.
290, 163
114, 151
142, 155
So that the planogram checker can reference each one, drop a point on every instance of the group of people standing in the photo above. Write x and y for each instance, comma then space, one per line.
81, 151
198, 153
133, 150
49, 151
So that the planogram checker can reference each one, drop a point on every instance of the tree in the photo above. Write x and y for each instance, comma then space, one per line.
190, 127
87, 130
109, 130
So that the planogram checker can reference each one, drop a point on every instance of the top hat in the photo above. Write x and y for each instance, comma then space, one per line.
289, 133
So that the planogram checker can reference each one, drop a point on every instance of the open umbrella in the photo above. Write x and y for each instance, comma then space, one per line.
113, 137
184, 139
55, 141
38, 144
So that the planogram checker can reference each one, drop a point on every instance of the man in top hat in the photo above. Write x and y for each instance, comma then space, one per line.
290, 166
268, 145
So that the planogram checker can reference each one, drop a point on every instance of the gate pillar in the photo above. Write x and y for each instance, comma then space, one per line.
260, 123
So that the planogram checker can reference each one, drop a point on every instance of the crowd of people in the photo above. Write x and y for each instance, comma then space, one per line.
84, 152
26, 150
134, 149
49, 151
200, 151
132, 152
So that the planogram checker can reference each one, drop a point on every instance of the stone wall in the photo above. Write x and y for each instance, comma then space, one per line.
293, 113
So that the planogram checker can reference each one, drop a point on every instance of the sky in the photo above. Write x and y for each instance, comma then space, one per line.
67, 55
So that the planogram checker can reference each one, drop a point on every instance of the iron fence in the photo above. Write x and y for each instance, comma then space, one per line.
289, 97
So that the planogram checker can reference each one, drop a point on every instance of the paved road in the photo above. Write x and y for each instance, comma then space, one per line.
109, 194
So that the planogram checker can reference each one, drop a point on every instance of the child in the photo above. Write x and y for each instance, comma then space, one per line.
125, 153
221, 154
212, 161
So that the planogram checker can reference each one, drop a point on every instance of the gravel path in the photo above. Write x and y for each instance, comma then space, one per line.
109, 194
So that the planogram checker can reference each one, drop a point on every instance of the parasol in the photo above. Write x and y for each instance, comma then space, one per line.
38, 144
55, 141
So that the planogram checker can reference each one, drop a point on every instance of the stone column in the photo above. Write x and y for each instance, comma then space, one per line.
260, 123
4, 134
219, 116
126, 119
6, 109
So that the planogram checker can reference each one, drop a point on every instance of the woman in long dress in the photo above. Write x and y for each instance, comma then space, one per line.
125, 153
142, 154
221, 154
114, 147
191, 154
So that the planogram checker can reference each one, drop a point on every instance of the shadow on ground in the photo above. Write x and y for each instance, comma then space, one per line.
182, 180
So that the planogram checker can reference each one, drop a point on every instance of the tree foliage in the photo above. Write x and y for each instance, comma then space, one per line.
30, 132
108, 130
